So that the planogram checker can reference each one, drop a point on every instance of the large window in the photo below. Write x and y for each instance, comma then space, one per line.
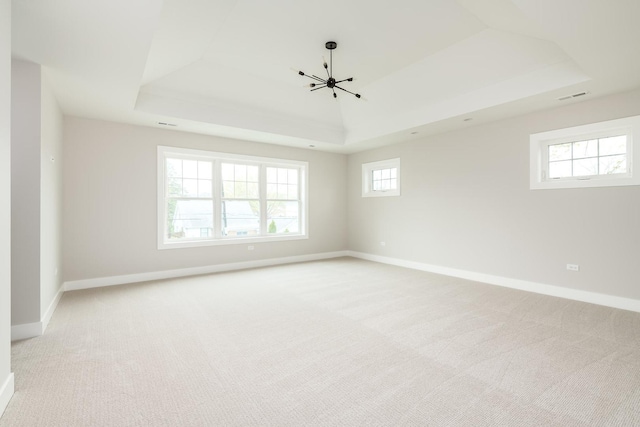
207, 198
595, 155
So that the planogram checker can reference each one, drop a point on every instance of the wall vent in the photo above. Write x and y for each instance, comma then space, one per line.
575, 95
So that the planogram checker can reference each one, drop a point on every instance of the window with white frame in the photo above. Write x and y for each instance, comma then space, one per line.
208, 198
382, 178
596, 155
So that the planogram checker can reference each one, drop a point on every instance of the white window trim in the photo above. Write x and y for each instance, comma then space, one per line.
164, 152
538, 150
367, 171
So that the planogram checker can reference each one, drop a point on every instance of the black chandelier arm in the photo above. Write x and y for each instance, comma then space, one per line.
327, 70
350, 79
334, 92
357, 95
318, 87
311, 76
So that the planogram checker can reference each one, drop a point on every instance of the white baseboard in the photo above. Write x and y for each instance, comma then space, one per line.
6, 391
183, 272
35, 329
52, 307
26, 330
539, 288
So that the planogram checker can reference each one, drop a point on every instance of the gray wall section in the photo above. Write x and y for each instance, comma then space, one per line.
36, 194
5, 193
110, 216
466, 204
25, 192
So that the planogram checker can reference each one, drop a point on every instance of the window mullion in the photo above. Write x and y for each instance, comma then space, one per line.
263, 199
217, 198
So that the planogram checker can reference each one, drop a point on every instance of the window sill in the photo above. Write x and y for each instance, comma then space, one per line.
230, 241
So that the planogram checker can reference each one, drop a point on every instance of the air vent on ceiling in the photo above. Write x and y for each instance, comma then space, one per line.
167, 124
575, 95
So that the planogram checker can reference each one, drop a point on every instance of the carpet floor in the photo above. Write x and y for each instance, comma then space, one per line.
341, 342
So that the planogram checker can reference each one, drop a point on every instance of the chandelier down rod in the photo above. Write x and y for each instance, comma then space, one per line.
330, 82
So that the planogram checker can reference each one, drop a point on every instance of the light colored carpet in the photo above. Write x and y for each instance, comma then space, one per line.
341, 342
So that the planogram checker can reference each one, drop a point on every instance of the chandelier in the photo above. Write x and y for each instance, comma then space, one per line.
330, 82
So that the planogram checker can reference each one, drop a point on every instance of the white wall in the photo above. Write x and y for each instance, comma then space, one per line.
6, 377
25, 192
466, 205
50, 198
109, 219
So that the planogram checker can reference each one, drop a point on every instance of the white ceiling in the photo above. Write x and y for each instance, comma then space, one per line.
224, 67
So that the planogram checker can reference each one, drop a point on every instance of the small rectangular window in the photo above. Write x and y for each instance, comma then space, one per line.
381, 178
595, 155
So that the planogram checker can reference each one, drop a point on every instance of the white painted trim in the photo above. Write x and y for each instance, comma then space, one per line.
35, 329
26, 330
183, 272
539, 288
6, 391
52, 307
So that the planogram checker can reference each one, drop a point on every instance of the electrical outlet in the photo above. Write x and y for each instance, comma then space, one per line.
573, 267
250, 248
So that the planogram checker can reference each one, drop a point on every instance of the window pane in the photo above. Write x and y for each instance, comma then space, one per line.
386, 173
253, 174
252, 190
293, 176
282, 191
240, 218
613, 145
190, 187
377, 175
272, 175
227, 172
394, 184
582, 149
189, 169
174, 167
283, 217
204, 170
272, 191
240, 190
282, 176
585, 167
613, 164
204, 188
560, 169
394, 172
187, 218
385, 184
174, 186
377, 186
293, 192
241, 173
228, 188
559, 152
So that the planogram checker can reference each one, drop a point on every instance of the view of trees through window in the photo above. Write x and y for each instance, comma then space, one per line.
604, 156
242, 192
